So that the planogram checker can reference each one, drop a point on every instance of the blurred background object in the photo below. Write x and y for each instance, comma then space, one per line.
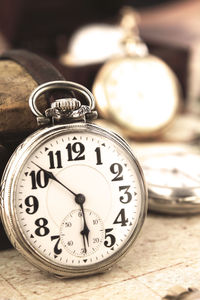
170, 29
45, 27
39, 26
180, 293
4, 156
172, 175
3, 43
135, 89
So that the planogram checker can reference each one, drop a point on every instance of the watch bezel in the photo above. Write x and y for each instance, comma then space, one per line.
176, 204
9, 181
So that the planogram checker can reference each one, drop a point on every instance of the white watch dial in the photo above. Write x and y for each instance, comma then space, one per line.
139, 93
78, 198
175, 170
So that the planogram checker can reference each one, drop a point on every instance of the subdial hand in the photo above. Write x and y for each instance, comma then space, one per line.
85, 231
80, 199
84, 245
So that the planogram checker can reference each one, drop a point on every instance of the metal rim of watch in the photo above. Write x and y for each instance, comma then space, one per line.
175, 204
9, 215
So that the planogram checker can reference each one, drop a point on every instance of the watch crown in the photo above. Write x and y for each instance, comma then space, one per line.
66, 104
67, 110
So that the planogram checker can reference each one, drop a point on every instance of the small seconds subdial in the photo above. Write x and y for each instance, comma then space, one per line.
71, 237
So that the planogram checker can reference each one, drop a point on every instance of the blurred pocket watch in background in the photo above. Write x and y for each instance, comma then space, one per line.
172, 173
133, 89
172, 167
136, 90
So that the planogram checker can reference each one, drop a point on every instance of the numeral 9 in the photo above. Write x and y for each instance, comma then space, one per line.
32, 203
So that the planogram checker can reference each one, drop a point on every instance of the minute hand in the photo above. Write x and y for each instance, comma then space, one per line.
52, 176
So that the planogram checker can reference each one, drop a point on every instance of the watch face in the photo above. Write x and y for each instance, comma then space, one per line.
78, 198
173, 181
175, 170
139, 93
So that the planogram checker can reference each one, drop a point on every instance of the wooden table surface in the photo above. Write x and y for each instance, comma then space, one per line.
166, 254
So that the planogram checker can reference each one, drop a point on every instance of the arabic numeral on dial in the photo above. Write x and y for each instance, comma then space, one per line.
77, 148
83, 251
70, 243
95, 240
39, 179
98, 156
116, 169
128, 196
68, 224
32, 203
80, 214
121, 219
56, 249
109, 238
42, 230
55, 159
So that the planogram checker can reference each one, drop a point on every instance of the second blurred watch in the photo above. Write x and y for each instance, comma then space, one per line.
134, 89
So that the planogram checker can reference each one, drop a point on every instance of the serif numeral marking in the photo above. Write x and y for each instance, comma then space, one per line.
39, 179
128, 196
42, 229
76, 148
117, 169
56, 249
32, 204
121, 219
98, 156
109, 238
55, 160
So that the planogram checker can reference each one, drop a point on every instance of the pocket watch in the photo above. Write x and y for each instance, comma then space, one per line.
73, 195
173, 178
136, 90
